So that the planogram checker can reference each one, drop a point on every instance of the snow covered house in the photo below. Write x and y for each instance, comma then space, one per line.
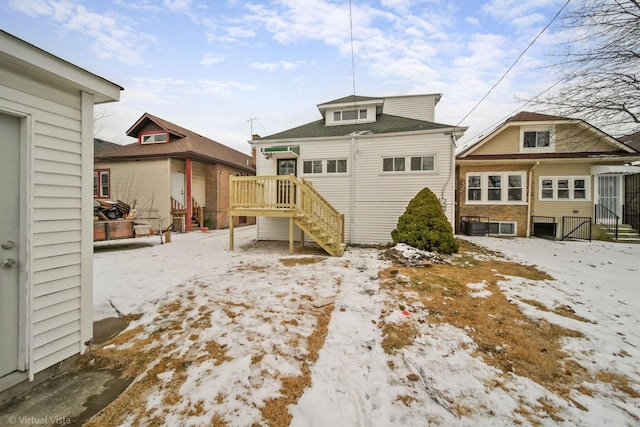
348, 177
548, 176
46, 208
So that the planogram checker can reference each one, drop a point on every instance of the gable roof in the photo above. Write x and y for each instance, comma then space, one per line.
632, 140
184, 144
385, 123
528, 117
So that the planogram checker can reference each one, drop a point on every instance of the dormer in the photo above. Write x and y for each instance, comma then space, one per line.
150, 130
351, 110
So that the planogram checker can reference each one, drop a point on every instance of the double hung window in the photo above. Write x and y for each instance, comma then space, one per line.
495, 187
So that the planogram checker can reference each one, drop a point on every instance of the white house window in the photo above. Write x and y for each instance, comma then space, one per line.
312, 166
564, 188
154, 138
495, 187
474, 188
410, 164
424, 163
393, 164
337, 166
349, 115
101, 183
537, 139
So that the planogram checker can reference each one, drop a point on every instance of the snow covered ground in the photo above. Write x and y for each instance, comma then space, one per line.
260, 309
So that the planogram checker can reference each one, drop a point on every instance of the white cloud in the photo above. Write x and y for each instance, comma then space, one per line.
209, 59
111, 38
274, 66
513, 9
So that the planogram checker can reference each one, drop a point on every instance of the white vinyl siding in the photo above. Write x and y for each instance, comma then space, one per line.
378, 199
419, 107
57, 119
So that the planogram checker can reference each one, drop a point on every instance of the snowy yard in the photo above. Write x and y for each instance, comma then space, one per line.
260, 337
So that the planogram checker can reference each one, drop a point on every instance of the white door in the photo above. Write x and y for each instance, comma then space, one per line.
9, 240
610, 192
177, 187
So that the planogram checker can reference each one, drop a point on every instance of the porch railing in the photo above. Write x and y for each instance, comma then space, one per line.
288, 196
179, 210
606, 217
576, 227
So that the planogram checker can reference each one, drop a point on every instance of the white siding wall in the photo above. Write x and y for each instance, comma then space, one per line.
419, 107
54, 190
378, 199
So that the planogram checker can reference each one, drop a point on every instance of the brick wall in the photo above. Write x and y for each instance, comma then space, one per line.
498, 212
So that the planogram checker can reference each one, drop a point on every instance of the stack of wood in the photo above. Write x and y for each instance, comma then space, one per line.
108, 210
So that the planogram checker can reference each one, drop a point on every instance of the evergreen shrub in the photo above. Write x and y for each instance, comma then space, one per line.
424, 225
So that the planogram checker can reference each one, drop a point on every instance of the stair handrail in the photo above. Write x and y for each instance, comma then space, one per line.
603, 213
198, 212
311, 203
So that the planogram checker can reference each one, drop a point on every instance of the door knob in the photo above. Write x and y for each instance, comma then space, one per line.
8, 263
8, 244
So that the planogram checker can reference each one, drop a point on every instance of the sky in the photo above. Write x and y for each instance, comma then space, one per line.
228, 69
261, 303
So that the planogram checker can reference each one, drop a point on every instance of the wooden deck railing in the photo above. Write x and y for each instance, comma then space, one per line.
287, 196
178, 210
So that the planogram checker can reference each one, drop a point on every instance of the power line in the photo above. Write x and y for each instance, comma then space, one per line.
515, 62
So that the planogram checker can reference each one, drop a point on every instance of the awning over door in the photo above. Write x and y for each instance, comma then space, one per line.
281, 151
615, 169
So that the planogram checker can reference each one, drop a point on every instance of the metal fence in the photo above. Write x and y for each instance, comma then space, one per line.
575, 227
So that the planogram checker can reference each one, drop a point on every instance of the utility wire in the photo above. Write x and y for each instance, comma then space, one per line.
515, 62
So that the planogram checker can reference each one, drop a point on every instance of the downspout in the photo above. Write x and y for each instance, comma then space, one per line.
188, 202
452, 167
529, 200
352, 195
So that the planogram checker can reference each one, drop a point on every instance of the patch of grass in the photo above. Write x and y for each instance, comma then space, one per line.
397, 336
290, 262
505, 338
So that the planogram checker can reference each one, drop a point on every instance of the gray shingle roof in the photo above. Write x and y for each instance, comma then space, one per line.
384, 123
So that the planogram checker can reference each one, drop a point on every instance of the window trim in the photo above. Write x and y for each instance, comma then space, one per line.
337, 172
551, 148
407, 164
324, 164
97, 183
155, 133
504, 190
312, 161
571, 179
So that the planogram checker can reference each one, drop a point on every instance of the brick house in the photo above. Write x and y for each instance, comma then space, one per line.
537, 174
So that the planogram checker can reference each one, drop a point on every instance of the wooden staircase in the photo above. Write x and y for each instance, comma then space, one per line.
179, 215
288, 196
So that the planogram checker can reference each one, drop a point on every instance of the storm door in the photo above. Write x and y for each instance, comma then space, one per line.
286, 193
610, 193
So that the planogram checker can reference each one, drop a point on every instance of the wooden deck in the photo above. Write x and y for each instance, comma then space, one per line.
286, 196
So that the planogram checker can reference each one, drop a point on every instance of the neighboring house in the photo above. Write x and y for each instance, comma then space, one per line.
171, 175
46, 208
367, 158
544, 175
632, 140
